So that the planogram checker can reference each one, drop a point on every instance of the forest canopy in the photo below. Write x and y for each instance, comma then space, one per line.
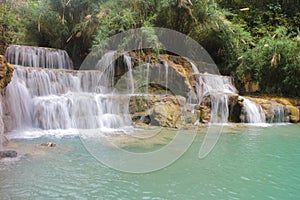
256, 41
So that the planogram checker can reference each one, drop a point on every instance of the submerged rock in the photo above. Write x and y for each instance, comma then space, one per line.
48, 144
8, 154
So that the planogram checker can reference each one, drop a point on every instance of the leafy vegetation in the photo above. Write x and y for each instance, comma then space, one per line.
254, 39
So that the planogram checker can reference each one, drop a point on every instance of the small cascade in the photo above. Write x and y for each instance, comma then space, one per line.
195, 69
278, 113
107, 71
218, 88
219, 108
166, 75
147, 77
127, 60
38, 57
253, 112
1, 125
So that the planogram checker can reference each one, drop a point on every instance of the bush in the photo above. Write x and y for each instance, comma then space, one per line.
274, 63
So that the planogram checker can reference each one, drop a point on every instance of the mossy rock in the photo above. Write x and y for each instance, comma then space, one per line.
6, 72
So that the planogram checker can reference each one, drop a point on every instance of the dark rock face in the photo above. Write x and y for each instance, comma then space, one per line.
8, 154
235, 108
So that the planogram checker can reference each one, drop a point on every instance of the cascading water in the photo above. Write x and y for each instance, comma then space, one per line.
38, 57
63, 99
194, 68
127, 60
278, 113
218, 88
254, 112
167, 75
1, 125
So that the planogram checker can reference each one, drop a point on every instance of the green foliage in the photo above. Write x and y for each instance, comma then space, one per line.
274, 63
264, 16
12, 25
261, 41
64, 24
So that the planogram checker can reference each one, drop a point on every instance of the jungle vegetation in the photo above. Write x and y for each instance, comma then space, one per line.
248, 39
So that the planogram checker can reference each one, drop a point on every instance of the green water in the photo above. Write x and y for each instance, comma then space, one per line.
247, 163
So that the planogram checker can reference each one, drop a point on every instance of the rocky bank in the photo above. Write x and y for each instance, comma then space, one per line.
6, 72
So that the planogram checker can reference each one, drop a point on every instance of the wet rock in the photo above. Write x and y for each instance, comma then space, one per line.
8, 154
167, 113
235, 105
294, 113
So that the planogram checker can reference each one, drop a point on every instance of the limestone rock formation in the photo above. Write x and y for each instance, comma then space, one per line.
6, 71
167, 113
279, 109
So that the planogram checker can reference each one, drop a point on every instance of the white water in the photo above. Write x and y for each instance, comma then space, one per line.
167, 75
38, 57
55, 99
218, 88
127, 60
1, 125
254, 112
51, 99
278, 113
195, 69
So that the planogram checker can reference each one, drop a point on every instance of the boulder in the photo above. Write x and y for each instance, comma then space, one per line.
166, 115
294, 113
48, 144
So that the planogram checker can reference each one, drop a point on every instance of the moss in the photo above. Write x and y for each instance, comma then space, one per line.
6, 72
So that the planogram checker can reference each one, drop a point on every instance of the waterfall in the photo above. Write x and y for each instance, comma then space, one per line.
147, 77
219, 108
1, 125
62, 99
127, 60
254, 112
38, 57
218, 88
167, 75
277, 113
99, 98
195, 69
